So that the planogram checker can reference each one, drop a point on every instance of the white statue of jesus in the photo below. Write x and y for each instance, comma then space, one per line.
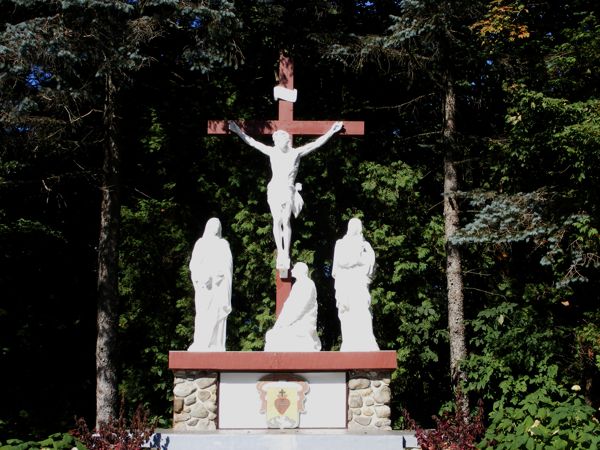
283, 194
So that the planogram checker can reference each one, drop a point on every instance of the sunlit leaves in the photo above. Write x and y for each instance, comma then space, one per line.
504, 19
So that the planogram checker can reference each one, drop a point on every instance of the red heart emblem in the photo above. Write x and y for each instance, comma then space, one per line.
282, 404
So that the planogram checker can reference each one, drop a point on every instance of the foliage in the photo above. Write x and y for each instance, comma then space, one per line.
588, 344
504, 218
66, 68
153, 243
58, 441
537, 223
117, 433
502, 21
527, 130
457, 430
543, 419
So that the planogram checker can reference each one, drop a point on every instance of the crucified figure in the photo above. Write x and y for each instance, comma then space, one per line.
283, 194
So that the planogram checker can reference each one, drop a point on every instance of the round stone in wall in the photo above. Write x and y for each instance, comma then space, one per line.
383, 411
181, 417
178, 405
203, 383
358, 383
363, 420
367, 412
199, 411
383, 424
203, 395
355, 401
383, 395
184, 389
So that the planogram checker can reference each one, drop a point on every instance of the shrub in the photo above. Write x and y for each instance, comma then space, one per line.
543, 421
58, 441
457, 430
117, 434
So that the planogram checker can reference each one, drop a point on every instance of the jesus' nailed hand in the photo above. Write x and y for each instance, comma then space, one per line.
282, 191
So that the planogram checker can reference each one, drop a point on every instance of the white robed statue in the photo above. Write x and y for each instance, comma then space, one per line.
353, 267
296, 327
211, 269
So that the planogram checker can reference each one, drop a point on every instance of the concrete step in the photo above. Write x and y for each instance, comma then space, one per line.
305, 439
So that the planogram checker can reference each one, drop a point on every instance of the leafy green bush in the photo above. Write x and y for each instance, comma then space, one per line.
54, 441
542, 420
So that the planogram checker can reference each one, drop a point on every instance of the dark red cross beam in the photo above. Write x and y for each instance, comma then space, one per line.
293, 127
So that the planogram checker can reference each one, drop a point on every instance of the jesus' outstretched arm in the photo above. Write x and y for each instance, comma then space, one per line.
312, 146
248, 140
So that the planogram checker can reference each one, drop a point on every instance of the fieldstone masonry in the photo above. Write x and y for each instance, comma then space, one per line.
195, 400
369, 398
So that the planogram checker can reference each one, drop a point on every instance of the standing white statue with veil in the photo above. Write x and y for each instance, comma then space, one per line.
283, 194
211, 269
353, 267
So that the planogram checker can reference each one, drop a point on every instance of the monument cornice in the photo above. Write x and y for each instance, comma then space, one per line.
283, 361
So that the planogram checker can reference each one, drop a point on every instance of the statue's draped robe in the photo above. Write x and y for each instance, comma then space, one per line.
296, 327
211, 269
353, 265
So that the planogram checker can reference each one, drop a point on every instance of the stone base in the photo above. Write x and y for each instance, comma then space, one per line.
204, 383
283, 440
195, 400
369, 398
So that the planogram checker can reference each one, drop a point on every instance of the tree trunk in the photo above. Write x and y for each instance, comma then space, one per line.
454, 279
106, 379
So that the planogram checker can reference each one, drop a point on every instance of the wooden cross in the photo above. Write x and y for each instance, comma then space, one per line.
293, 127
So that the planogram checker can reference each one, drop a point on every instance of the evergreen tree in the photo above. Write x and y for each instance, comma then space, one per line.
431, 40
67, 56
539, 209
514, 114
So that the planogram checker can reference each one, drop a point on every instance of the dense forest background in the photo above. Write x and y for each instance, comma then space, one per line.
113, 97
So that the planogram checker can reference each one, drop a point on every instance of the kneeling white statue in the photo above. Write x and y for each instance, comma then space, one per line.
296, 327
211, 268
353, 266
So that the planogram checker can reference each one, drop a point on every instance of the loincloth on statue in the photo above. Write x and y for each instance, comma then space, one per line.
279, 199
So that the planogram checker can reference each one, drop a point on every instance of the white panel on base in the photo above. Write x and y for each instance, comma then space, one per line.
239, 401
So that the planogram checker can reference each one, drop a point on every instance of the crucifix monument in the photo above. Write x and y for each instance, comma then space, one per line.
292, 383
285, 161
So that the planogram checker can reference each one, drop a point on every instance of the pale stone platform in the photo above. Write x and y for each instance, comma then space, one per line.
283, 440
